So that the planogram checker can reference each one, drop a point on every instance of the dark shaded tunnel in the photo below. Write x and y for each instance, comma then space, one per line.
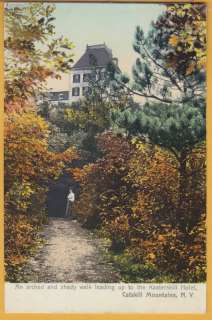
57, 195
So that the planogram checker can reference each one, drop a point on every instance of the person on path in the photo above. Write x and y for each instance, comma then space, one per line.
70, 201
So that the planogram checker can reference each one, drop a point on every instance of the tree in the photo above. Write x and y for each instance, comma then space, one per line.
177, 129
32, 53
93, 113
103, 188
29, 165
186, 24
90, 118
57, 141
170, 66
131, 194
103, 88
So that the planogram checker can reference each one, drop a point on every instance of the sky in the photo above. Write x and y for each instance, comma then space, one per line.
112, 24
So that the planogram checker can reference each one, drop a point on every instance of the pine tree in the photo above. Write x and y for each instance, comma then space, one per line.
179, 129
170, 67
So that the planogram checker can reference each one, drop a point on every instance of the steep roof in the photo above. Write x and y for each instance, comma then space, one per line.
99, 55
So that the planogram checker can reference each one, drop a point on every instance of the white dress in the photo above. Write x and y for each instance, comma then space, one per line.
70, 198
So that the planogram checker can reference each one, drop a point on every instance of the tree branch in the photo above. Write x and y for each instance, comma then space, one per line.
150, 96
174, 82
175, 154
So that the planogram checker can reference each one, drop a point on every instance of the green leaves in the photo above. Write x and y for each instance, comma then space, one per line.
171, 57
169, 126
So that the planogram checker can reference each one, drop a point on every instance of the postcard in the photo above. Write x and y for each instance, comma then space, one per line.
105, 157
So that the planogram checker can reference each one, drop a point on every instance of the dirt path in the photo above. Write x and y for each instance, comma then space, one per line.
70, 254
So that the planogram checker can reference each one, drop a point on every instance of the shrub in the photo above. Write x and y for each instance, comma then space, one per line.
133, 195
29, 167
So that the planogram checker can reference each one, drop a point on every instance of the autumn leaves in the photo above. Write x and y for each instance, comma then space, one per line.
142, 166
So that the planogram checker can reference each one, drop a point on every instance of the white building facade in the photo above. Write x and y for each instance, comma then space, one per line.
79, 84
95, 57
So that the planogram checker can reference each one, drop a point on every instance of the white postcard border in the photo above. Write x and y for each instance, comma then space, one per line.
105, 298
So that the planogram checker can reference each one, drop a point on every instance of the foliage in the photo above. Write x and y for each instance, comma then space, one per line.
103, 88
171, 57
178, 129
132, 194
92, 115
33, 53
21, 234
159, 206
29, 166
90, 118
27, 157
102, 179
136, 272
186, 25
57, 141
171, 126
145, 187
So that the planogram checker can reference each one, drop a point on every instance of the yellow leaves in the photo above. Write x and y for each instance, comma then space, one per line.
17, 260
132, 194
78, 174
181, 12
161, 237
139, 145
77, 117
187, 6
20, 235
29, 166
190, 68
190, 40
151, 256
134, 140
26, 151
173, 40
68, 155
187, 35
27, 191
202, 62
31, 63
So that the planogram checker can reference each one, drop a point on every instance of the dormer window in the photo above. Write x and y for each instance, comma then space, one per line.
76, 78
92, 60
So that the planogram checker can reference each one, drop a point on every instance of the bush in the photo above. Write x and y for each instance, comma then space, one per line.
29, 167
133, 195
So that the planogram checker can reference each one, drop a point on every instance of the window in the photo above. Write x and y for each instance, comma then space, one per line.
76, 78
93, 60
60, 97
86, 91
86, 77
75, 92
